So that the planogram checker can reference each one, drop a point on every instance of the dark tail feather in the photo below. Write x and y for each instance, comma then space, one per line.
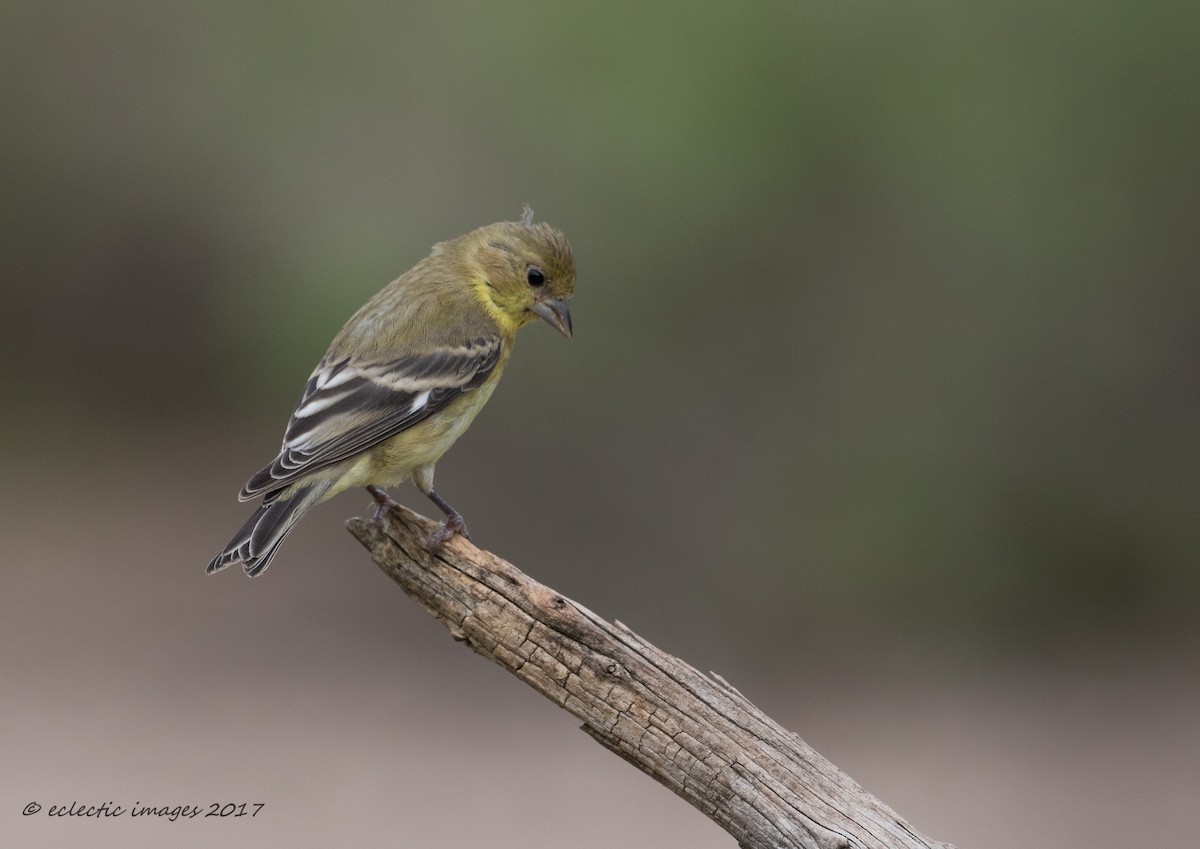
256, 543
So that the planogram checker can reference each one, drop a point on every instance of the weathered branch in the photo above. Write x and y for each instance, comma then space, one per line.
697, 735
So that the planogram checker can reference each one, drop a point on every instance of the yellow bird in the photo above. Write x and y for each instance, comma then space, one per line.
405, 377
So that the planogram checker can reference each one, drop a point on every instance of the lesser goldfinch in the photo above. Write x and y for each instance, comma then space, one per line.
405, 377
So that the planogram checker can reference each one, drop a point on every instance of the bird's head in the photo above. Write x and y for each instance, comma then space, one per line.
526, 272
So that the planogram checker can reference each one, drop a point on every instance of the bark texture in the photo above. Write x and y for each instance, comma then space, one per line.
694, 733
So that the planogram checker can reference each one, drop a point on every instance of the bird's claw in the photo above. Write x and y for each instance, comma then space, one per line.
383, 504
453, 526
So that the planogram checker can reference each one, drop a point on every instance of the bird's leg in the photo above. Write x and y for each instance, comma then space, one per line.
383, 502
454, 524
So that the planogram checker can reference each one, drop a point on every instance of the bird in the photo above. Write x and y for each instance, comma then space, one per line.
404, 378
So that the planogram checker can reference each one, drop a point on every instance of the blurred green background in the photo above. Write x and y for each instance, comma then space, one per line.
883, 392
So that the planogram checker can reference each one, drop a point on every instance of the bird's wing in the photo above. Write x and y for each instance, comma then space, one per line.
350, 405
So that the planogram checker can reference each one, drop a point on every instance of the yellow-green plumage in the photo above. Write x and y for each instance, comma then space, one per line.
406, 375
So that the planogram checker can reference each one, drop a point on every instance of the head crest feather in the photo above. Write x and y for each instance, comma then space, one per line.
527, 215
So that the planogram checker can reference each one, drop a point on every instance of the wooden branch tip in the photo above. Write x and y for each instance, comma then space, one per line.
694, 733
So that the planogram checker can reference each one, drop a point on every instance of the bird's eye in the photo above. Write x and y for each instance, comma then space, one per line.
535, 277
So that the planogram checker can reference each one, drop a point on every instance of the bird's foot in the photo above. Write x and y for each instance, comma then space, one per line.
383, 503
453, 526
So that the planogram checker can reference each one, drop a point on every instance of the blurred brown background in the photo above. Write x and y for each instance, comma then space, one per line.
882, 403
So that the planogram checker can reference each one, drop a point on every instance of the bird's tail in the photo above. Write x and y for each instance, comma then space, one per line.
258, 540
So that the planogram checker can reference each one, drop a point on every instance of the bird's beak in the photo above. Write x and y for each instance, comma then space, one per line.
554, 312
